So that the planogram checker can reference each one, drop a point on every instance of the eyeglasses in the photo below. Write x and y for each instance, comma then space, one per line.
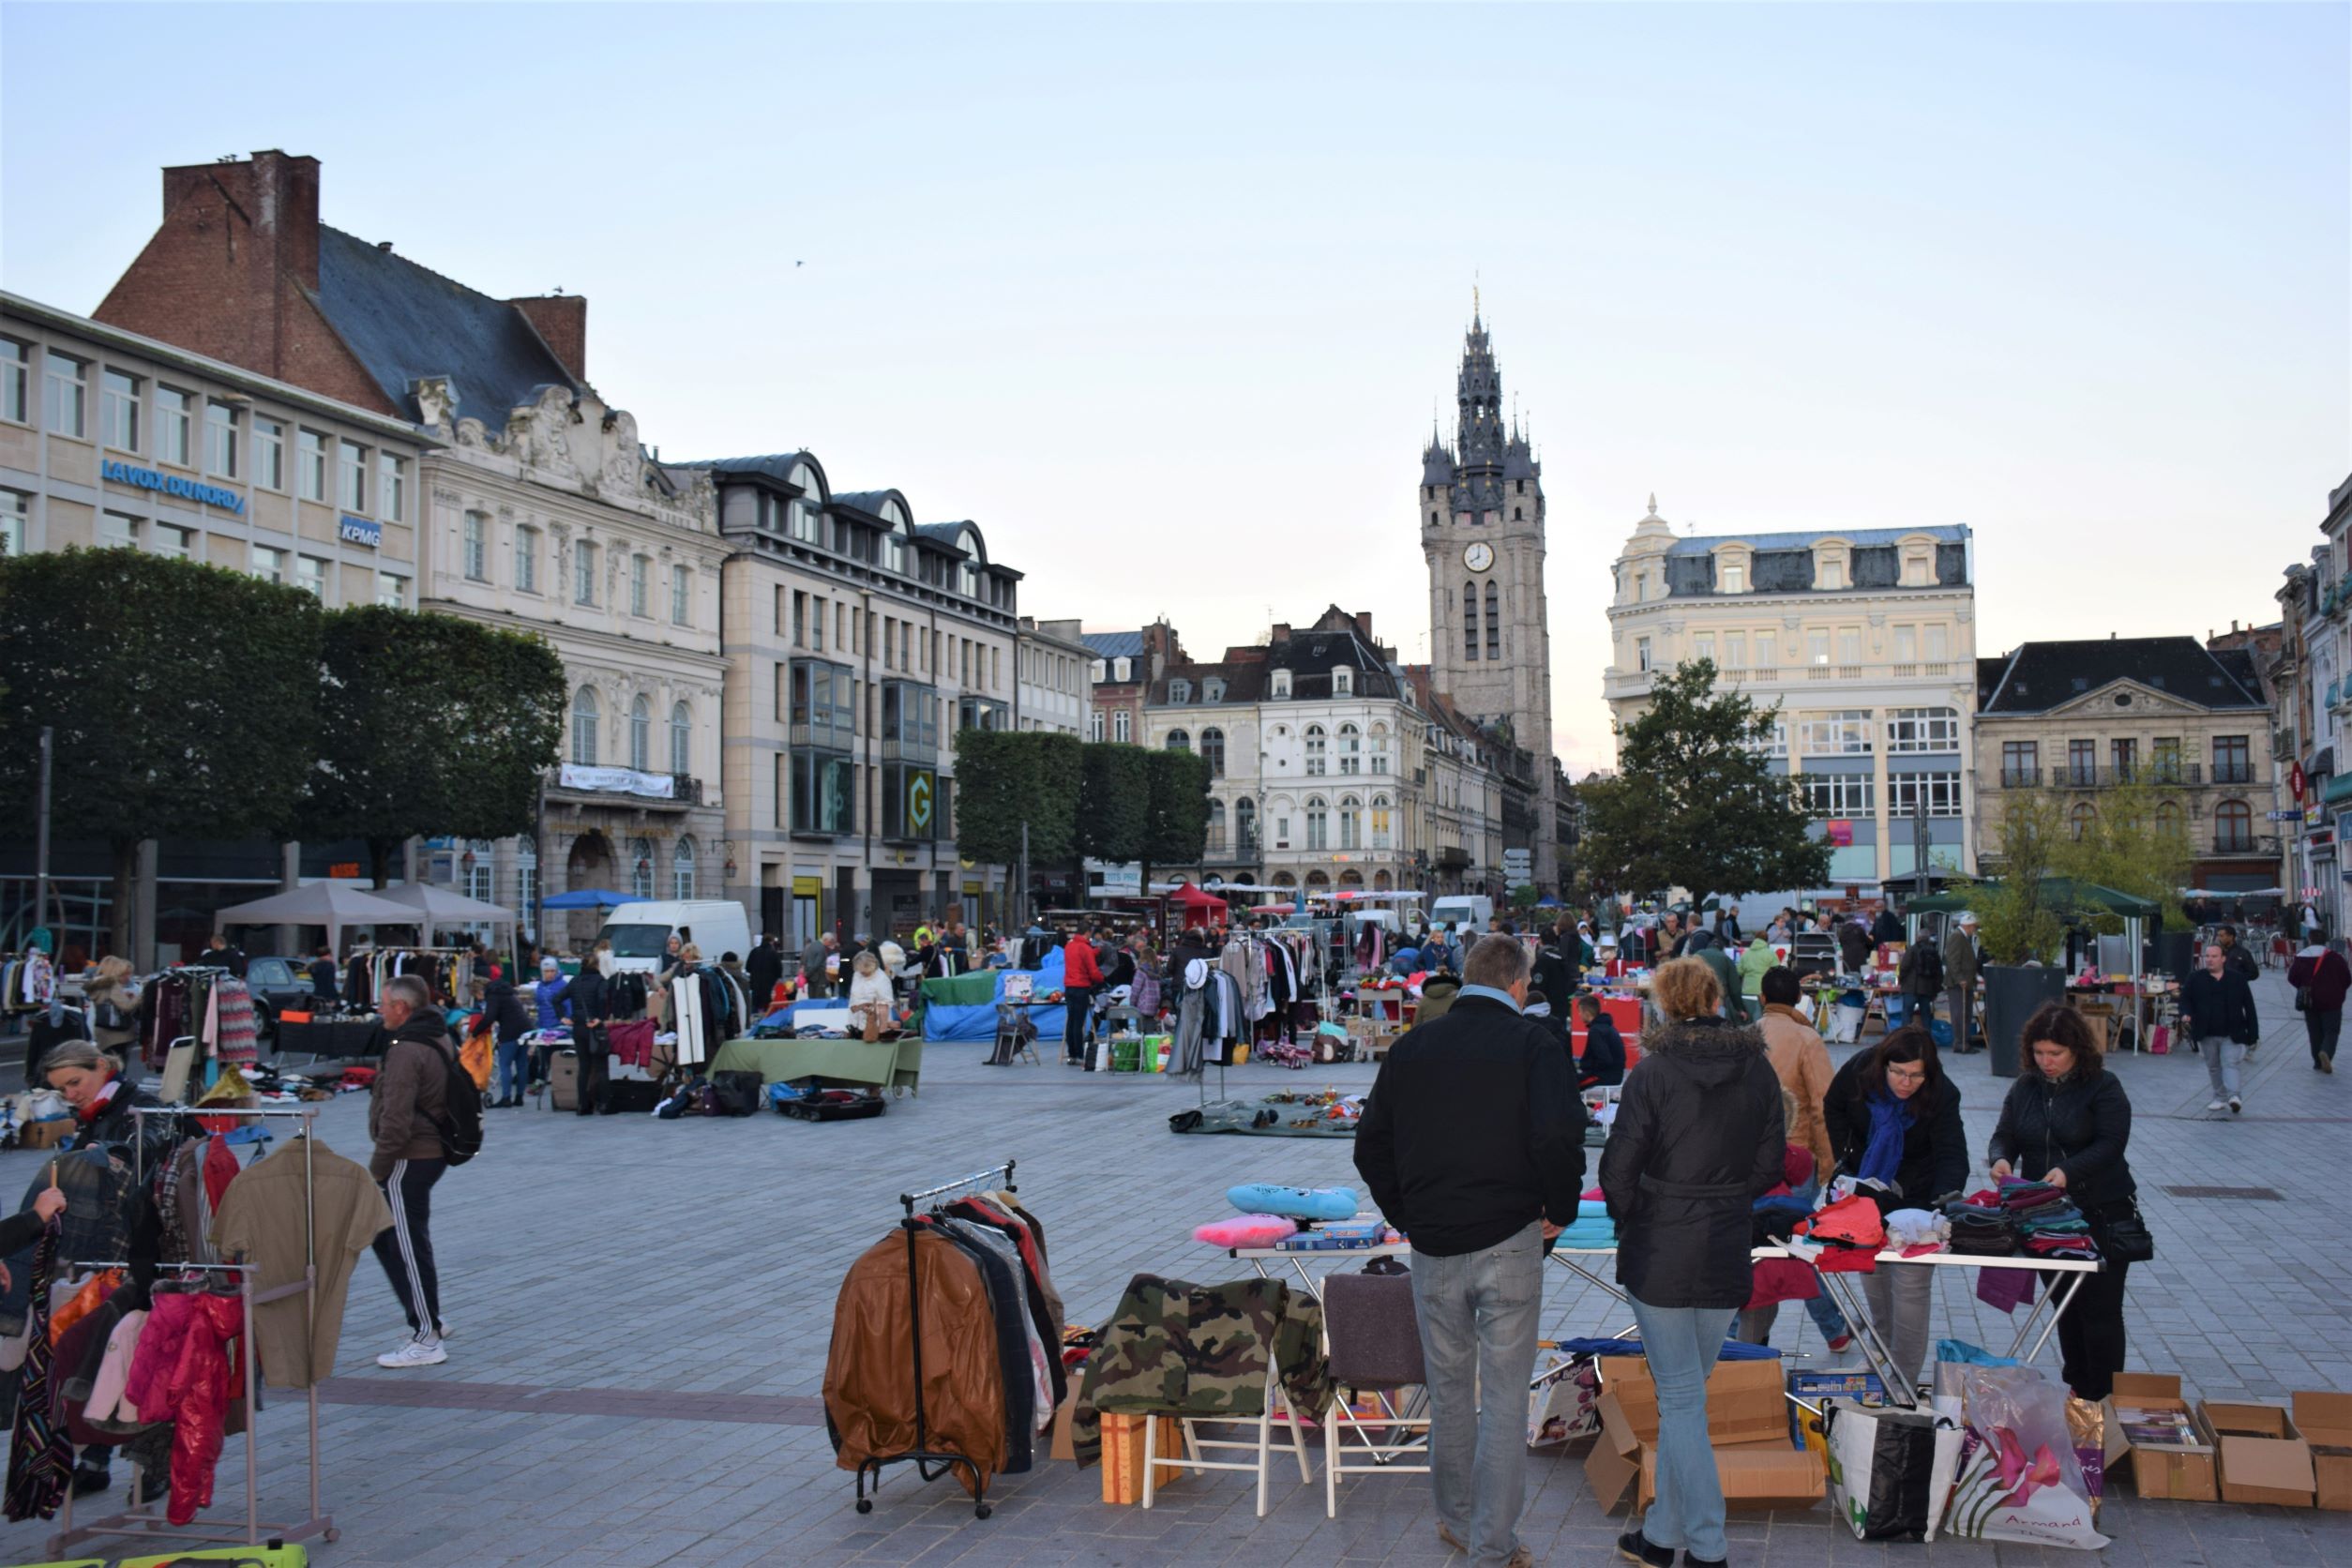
1908, 1074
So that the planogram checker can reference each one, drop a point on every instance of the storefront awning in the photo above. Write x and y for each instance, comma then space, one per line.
2339, 789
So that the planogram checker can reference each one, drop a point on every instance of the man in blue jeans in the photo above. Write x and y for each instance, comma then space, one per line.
1472, 1144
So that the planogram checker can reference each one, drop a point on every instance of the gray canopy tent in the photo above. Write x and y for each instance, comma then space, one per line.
331, 904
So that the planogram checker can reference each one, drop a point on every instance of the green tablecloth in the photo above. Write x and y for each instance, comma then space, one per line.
962, 990
884, 1065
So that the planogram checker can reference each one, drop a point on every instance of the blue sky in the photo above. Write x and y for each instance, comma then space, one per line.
1163, 296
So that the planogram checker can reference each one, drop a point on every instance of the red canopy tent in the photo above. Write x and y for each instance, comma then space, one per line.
1199, 908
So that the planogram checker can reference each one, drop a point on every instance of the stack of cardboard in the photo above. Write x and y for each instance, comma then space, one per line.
1747, 1424
2325, 1422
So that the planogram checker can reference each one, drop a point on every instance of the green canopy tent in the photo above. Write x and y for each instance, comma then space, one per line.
2064, 893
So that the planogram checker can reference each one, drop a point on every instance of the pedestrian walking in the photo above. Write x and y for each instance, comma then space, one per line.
1473, 1142
762, 971
1894, 1119
2066, 1122
588, 998
1960, 965
1921, 975
1699, 1136
2218, 1006
504, 1014
2320, 977
408, 1108
814, 979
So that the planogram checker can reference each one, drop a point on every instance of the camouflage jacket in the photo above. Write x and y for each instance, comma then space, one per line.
1176, 1348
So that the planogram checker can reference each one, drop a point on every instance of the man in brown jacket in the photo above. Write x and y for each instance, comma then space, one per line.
405, 1110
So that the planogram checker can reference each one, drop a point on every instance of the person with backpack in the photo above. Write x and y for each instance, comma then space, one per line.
424, 1115
1922, 977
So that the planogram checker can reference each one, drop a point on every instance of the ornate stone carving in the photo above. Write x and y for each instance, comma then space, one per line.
436, 404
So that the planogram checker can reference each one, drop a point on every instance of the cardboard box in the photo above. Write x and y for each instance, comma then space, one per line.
1122, 1455
2261, 1456
44, 1135
1745, 1399
2182, 1471
1623, 1468
2325, 1422
1817, 1389
1064, 1415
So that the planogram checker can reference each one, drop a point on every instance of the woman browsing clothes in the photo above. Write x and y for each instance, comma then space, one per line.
2066, 1122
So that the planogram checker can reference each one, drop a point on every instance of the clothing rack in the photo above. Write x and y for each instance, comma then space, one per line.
139, 1519
999, 1177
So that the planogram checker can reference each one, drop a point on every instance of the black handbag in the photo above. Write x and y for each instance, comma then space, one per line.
2127, 1239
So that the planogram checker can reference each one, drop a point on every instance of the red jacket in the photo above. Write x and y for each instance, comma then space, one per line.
2327, 975
1078, 966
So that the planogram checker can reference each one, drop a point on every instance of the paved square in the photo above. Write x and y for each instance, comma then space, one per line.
641, 1310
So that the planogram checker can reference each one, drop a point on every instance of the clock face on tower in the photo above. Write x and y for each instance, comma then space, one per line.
1478, 557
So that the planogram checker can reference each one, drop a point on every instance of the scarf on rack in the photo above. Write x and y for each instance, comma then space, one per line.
1882, 1156
41, 1459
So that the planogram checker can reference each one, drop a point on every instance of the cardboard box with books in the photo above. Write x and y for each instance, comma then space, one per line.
2149, 1423
2260, 1455
2325, 1422
1746, 1422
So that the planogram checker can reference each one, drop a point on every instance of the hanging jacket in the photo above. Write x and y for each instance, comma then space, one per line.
1698, 1138
1934, 1145
869, 1385
1178, 1349
2080, 1124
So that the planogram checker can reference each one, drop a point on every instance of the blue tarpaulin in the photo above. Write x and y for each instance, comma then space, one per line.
942, 1022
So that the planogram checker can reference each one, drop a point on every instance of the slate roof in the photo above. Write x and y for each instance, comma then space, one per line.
774, 465
2038, 676
1312, 655
1243, 682
406, 323
1945, 534
871, 502
1114, 644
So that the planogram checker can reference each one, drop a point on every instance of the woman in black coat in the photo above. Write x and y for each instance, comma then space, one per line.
2066, 1122
1699, 1136
1894, 1117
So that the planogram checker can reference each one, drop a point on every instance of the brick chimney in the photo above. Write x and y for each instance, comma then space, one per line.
561, 321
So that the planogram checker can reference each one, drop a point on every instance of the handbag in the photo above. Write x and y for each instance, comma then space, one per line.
2302, 998
2127, 1239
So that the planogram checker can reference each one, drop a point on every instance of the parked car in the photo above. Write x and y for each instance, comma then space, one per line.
276, 984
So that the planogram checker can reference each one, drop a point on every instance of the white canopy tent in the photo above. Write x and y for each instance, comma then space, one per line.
332, 904
441, 906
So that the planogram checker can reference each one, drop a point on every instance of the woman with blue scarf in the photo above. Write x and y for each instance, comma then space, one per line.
1894, 1119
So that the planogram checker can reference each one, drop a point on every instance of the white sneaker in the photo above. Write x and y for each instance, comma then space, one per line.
446, 1332
2214, 1104
416, 1352
2236, 1105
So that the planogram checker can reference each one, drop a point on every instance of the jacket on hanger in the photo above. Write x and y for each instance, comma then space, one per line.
869, 1389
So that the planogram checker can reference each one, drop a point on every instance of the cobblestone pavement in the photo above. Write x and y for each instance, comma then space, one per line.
641, 1309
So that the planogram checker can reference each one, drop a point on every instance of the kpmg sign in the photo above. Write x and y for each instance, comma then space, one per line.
359, 531
171, 484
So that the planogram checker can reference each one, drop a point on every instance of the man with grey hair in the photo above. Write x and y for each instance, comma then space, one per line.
407, 1107
1472, 1144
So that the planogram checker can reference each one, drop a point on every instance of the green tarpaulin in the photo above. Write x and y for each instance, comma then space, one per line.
976, 989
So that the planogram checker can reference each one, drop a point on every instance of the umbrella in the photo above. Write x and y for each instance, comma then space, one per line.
331, 904
442, 905
585, 898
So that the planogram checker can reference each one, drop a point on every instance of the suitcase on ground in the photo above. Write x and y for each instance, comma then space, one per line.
266, 1555
563, 1081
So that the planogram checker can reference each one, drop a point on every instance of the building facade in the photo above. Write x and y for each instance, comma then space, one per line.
537, 509
858, 643
111, 438
2314, 703
1865, 641
1126, 663
1482, 512
2085, 719
1054, 689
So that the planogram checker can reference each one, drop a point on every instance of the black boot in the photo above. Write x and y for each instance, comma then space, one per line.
89, 1479
1634, 1546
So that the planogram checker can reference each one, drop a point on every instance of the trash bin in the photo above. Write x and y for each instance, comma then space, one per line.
2011, 994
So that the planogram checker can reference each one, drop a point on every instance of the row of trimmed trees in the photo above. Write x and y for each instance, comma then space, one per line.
1078, 799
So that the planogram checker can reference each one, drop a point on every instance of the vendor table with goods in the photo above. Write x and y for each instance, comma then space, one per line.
881, 1063
339, 1037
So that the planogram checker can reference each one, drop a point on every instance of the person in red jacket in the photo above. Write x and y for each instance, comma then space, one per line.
1080, 976
2322, 972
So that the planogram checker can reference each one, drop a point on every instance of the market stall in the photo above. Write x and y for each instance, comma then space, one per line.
1196, 907
964, 1008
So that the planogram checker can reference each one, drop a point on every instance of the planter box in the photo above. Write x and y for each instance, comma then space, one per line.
2012, 992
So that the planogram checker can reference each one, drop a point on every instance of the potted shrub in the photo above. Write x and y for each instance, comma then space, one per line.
2021, 929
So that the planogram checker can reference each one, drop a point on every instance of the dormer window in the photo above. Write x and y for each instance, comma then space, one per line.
1343, 681
1731, 572
1122, 670
1180, 691
1212, 691
1098, 671
1918, 566
1281, 684
1830, 569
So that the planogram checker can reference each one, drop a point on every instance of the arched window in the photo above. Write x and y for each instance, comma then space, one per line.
1379, 823
2084, 819
1212, 751
642, 867
1352, 878
1284, 879
1317, 822
681, 869
640, 734
2233, 827
1494, 624
584, 719
1380, 882
1379, 748
2168, 817
681, 739
1350, 748
1245, 828
1350, 822
1317, 881
1179, 740
1315, 754
1470, 620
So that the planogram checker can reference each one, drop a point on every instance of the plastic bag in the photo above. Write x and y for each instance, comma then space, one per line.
1891, 1472
2020, 1479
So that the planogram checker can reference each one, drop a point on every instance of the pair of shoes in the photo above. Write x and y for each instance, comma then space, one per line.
1842, 1344
2236, 1105
91, 1478
1634, 1546
414, 1352
444, 1329
2214, 1104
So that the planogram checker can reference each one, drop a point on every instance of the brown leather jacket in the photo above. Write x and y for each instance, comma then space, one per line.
869, 1382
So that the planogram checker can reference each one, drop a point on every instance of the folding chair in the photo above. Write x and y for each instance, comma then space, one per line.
1262, 1444
1374, 1339
1016, 1037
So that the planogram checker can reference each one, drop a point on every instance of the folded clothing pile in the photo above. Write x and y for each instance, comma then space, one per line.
1980, 1227
1917, 1231
2045, 1221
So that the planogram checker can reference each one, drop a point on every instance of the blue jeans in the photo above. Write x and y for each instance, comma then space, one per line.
514, 1069
1682, 1344
1478, 1316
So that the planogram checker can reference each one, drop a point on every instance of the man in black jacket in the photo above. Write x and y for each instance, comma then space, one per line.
2217, 1007
1557, 966
1472, 1143
760, 972
591, 998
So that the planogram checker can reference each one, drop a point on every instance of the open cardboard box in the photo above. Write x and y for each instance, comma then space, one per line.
2184, 1473
2325, 1422
1746, 1400
2263, 1458
1746, 1424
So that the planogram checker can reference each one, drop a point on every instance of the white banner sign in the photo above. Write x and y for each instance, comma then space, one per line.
625, 781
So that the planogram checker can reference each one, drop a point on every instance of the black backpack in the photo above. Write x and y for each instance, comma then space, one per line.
1927, 976
459, 1124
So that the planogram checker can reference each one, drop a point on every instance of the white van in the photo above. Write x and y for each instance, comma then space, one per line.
1469, 911
639, 933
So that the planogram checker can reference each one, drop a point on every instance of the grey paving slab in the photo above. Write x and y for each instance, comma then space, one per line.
641, 1311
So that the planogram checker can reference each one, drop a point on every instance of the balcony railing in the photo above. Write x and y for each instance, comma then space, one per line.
2067, 776
2231, 773
1231, 849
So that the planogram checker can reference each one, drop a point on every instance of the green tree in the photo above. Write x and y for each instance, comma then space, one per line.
1006, 779
2131, 846
1694, 803
431, 725
1114, 811
1177, 827
184, 698
2018, 916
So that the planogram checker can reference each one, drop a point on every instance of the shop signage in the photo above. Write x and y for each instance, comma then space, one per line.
1840, 832
347, 869
626, 781
359, 531
2293, 814
919, 787
2295, 779
171, 484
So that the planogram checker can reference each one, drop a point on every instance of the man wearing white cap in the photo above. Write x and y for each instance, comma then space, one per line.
1960, 977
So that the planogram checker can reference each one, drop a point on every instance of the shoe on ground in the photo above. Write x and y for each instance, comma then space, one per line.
1691, 1559
1842, 1344
2236, 1105
89, 1479
2215, 1104
2326, 1064
1634, 1546
1450, 1539
415, 1352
